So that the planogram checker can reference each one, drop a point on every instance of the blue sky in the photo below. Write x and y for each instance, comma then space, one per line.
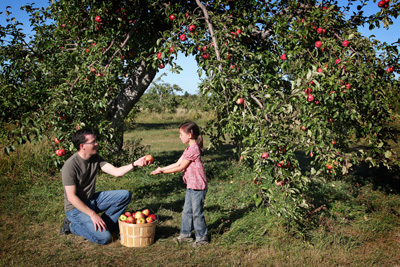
188, 79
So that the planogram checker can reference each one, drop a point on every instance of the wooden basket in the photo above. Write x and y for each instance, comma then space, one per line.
137, 235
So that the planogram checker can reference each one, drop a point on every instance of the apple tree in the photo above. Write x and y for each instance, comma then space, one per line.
86, 65
313, 88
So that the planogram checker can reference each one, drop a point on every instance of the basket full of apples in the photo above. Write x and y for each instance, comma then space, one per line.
137, 229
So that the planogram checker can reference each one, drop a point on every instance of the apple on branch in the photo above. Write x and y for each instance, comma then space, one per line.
239, 101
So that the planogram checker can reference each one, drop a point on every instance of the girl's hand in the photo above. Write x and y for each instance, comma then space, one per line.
157, 171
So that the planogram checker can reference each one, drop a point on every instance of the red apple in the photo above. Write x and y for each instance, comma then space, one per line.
130, 219
149, 158
206, 55
283, 57
381, 3
329, 166
307, 91
320, 30
98, 19
161, 66
182, 37
127, 214
192, 28
310, 98
149, 220
152, 216
318, 44
345, 43
333, 142
238, 31
171, 17
265, 155
171, 49
146, 212
57, 141
239, 101
159, 55
123, 218
92, 70
303, 128
319, 70
139, 214
60, 152
337, 61
348, 86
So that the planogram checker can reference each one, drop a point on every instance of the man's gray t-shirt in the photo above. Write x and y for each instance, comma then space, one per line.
82, 173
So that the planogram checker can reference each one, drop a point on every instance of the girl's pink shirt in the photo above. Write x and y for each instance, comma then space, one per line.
194, 175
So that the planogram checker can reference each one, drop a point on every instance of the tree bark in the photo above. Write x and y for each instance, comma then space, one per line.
128, 96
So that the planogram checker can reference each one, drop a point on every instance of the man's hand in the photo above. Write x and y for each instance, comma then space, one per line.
98, 222
142, 162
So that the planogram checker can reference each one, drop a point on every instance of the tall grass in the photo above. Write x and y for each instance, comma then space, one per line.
359, 227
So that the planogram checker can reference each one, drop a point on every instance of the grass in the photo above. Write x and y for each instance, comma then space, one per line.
360, 226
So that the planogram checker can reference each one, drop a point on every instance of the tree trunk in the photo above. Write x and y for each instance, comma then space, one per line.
126, 99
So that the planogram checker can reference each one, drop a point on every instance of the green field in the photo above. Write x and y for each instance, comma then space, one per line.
360, 226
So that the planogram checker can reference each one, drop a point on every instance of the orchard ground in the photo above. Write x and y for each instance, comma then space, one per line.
359, 227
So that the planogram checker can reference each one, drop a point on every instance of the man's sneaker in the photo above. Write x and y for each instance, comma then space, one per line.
199, 243
180, 240
65, 228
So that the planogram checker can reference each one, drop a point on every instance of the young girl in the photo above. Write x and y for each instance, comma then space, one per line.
191, 166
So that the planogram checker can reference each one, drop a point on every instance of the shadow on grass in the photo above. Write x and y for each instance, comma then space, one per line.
223, 224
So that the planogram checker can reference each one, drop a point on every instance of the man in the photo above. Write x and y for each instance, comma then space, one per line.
81, 203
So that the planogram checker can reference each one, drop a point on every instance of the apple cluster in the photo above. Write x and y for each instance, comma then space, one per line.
138, 217
383, 4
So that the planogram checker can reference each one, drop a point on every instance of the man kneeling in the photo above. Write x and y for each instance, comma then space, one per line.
81, 203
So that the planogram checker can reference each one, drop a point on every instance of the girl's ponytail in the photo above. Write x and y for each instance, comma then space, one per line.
191, 127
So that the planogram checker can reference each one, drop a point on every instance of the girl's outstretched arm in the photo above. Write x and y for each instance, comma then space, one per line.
178, 166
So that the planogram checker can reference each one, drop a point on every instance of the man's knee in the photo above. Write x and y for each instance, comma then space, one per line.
104, 238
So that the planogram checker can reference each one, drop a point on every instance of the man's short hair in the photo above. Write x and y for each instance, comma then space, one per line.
79, 137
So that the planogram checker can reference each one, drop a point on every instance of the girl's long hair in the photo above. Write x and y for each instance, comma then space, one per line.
191, 127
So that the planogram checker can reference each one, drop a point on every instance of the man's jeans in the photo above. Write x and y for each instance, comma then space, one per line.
112, 202
193, 215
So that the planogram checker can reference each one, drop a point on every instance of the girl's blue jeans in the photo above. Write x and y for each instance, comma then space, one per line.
113, 203
193, 215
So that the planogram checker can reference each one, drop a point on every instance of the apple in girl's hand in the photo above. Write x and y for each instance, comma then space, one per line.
146, 212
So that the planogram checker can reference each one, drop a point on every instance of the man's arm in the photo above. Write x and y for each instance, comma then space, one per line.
120, 171
98, 222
